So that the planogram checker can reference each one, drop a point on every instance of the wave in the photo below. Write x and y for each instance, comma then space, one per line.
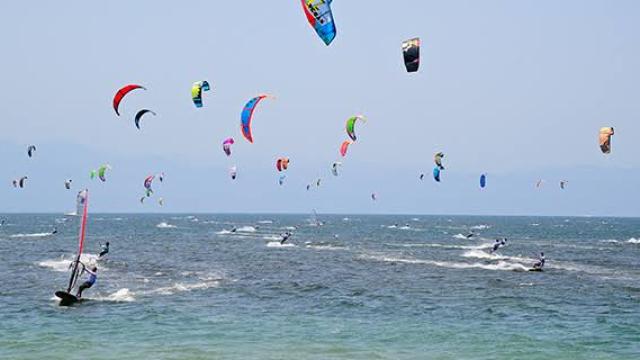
164, 225
480, 227
289, 228
224, 232
501, 265
246, 229
609, 241
633, 241
327, 247
62, 264
460, 236
34, 235
276, 244
122, 295
265, 222
272, 237
448, 246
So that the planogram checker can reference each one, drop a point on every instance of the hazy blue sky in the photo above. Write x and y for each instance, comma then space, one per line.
517, 89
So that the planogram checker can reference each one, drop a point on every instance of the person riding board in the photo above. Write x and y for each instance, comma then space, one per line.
285, 237
104, 249
90, 281
540, 263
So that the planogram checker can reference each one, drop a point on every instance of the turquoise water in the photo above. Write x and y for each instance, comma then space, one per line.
358, 287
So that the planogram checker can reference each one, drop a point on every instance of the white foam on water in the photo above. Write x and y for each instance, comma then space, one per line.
289, 228
265, 222
276, 244
448, 246
501, 265
246, 229
34, 235
633, 241
327, 247
205, 283
480, 227
609, 241
272, 237
223, 232
62, 264
122, 295
164, 225
479, 254
460, 236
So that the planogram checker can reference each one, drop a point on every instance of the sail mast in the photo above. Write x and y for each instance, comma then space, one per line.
83, 199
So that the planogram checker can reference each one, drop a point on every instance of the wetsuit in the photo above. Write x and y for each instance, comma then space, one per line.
87, 284
540, 263
105, 250
496, 246
285, 237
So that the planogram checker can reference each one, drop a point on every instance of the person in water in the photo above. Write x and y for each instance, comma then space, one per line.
285, 237
540, 263
104, 249
55, 231
90, 281
234, 229
470, 235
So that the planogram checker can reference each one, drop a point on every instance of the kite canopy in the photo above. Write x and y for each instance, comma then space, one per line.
351, 123
226, 146
344, 147
102, 172
436, 174
605, 139
122, 93
282, 164
320, 17
247, 115
437, 158
334, 168
31, 150
411, 53
140, 114
148, 181
483, 180
196, 92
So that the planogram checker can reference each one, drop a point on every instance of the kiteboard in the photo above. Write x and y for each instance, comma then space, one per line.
66, 299
536, 269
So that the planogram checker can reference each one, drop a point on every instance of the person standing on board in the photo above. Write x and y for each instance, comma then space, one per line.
105, 250
90, 281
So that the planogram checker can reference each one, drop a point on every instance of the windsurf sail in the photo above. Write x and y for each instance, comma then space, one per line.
83, 206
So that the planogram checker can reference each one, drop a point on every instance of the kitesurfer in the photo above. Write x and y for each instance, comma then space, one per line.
470, 235
234, 229
496, 245
55, 231
540, 263
90, 281
285, 237
104, 249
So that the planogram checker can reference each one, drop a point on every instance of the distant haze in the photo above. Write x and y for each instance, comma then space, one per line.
514, 89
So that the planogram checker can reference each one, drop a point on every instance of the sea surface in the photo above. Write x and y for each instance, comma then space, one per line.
355, 287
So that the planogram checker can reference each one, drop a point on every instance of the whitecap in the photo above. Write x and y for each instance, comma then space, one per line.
633, 241
276, 244
164, 225
246, 229
34, 235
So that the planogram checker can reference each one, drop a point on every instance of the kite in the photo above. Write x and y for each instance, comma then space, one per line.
411, 53
320, 17
196, 92
122, 93
351, 123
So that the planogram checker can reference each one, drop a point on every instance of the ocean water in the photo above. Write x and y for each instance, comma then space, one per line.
357, 287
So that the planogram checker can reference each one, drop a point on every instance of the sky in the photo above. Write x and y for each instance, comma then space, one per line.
514, 89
